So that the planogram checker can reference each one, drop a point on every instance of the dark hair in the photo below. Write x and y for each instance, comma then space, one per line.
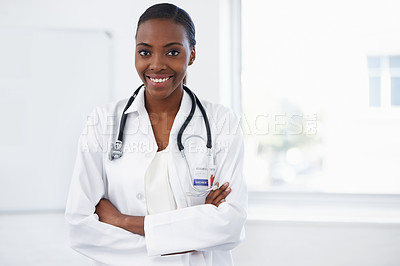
170, 11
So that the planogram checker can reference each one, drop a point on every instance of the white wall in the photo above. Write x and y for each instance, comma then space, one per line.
48, 83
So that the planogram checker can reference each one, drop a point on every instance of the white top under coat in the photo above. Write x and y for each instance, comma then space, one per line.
159, 195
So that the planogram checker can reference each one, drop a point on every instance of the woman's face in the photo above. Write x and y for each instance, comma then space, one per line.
162, 55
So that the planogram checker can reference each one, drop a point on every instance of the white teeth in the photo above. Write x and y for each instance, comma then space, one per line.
159, 80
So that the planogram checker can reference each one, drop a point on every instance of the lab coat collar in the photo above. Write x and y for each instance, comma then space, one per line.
138, 103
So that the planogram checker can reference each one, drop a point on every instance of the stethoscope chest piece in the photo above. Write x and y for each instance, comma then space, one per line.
116, 150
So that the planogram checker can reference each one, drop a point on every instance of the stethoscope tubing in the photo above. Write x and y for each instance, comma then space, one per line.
116, 150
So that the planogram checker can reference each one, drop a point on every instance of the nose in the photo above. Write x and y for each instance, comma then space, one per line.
157, 63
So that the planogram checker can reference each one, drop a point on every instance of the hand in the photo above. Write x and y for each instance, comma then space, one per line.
216, 197
108, 213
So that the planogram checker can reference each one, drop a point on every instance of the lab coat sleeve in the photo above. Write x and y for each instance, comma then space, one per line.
99, 241
206, 227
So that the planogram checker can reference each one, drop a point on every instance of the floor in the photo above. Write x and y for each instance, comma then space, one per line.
36, 239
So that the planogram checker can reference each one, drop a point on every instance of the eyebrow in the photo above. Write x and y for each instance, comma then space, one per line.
167, 45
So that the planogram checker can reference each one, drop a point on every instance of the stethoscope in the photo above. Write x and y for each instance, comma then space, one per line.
116, 149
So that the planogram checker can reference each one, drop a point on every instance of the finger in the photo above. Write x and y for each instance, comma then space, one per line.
214, 193
220, 190
223, 195
210, 197
223, 200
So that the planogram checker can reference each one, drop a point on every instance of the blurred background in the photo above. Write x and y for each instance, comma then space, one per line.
317, 87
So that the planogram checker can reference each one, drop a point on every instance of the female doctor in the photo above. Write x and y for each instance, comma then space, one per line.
145, 208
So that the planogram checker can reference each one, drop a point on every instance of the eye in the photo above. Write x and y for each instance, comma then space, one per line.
173, 53
144, 52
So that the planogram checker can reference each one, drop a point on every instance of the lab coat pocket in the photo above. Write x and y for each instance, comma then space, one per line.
202, 180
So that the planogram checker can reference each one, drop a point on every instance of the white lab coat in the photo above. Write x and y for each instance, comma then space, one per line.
209, 230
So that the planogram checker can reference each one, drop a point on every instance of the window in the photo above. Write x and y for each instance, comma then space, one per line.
320, 91
384, 77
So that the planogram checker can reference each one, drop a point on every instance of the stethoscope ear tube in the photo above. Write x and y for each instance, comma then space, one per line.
190, 116
205, 118
195, 101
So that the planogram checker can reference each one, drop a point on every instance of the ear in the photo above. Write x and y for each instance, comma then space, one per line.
192, 55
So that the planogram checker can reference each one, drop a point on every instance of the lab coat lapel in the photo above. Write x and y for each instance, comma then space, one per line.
138, 109
138, 103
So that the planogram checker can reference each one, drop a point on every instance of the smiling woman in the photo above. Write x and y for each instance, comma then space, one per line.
147, 205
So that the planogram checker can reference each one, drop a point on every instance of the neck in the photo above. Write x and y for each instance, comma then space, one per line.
166, 106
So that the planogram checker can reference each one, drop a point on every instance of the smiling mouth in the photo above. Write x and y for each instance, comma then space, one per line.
161, 80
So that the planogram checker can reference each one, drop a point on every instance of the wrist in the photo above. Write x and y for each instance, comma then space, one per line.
134, 224
122, 220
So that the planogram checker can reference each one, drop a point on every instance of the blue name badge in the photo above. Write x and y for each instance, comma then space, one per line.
200, 182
